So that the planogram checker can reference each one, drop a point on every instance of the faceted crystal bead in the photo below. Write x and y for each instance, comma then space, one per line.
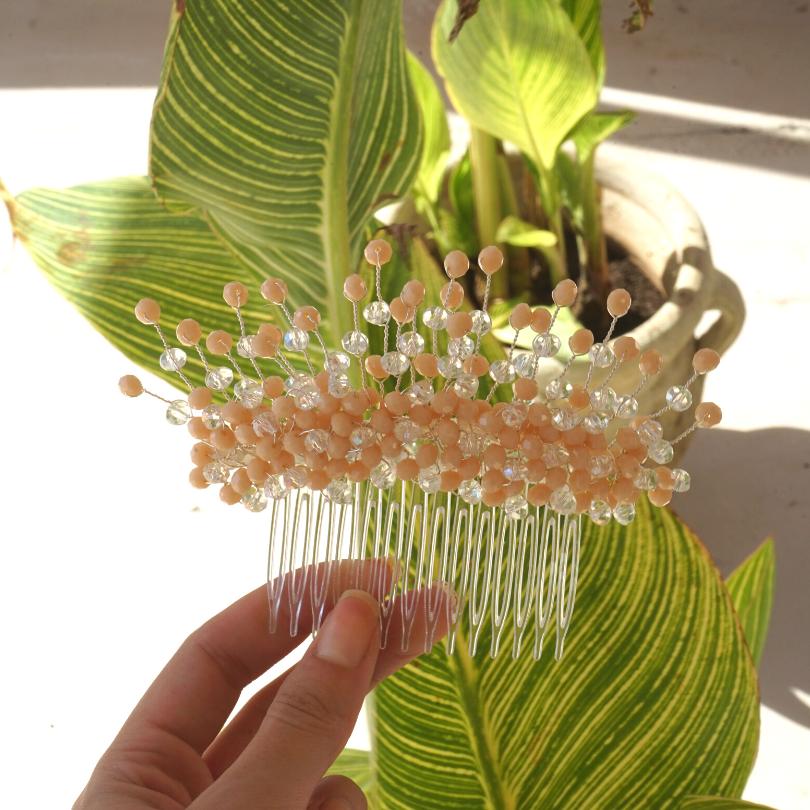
406, 430
564, 419
601, 465
470, 491
450, 367
601, 355
558, 389
244, 347
515, 469
502, 371
679, 398
215, 472
682, 480
626, 407
661, 451
646, 479
361, 436
435, 317
254, 500
218, 379
355, 343
562, 500
178, 412
420, 392
377, 312
624, 513
604, 399
429, 479
395, 363
339, 491
383, 475
469, 444
274, 488
295, 381
411, 343
295, 339
514, 415
172, 360
546, 345
307, 396
338, 385
266, 424
461, 347
516, 507
554, 455
295, 478
354, 454
316, 440
596, 422
212, 417
481, 322
650, 431
524, 364
466, 386
248, 392
600, 512
337, 363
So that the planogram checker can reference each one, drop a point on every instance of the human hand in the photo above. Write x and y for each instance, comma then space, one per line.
173, 751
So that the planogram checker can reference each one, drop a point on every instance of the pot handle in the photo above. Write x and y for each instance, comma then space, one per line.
726, 298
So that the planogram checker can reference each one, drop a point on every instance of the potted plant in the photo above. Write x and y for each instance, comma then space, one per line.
279, 130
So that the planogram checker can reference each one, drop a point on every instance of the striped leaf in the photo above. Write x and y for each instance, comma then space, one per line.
285, 125
519, 70
751, 589
718, 803
587, 19
655, 699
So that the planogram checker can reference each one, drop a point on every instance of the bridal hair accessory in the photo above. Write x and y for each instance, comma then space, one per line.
395, 460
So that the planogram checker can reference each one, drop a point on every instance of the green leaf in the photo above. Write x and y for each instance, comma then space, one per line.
106, 245
436, 143
655, 665
718, 803
356, 765
286, 125
519, 71
595, 128
515, 231
751, 589
587, 19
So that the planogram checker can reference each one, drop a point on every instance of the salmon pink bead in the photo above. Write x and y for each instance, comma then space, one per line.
427, 455
625, 348
521, 316
477, 365
650, 362
235, 294
201, 454
413, 293
274, 290
565, 293
147, 311
459, 324
378, 251
659, 497
219, 342
354, 288
524, 389
451, 295
494, 497
449, 481
401, 312
426, 365
131, 386
538, 495
541, 320
456, 264
705, 360
307, 318
707, 414
618, 303
581, 341
407, 469
197, 479
223, 439
229, 495
490, 260
189, 332
397, 403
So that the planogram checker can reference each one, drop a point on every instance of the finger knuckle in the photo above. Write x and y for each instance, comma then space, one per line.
309, 712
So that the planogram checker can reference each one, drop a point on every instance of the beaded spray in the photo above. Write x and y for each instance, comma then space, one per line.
440, 488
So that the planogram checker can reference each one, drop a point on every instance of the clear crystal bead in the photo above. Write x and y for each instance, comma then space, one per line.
679, 398
218, 379
554, 455
516, 507
307, 396
355, 454
411, 343
212, 417
546, 345
558, 389
601, 355
562, 500
466, 385
317, 440
395, 363
435, 317
429, 479
215, 472
515, 469
420, 392
469, 444
406, 430
296, 380
248, 392
624, 513
461, 347
450, 367
337, 363
645, 479
383, 475
355, 343
339, 491
626, 407
266, 424
254, 500
661, 451
377, 312
338, 385
601, 465
682, 480
178, 412
502, 371
244, 347
650, 431
564, 418
173, 359
524, 364
596, 422
604, 399
481, 322
514, 414
600, 512
295, 339
470, 491
274, 488
295, 477
361, 436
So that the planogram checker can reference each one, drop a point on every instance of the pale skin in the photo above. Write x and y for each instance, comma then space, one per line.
176, 751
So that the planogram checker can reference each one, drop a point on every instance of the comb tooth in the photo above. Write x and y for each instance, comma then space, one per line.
321, 571
436, 573
297, 570
417, 530
502, 590
568, 569
481, 578
275, 560
524, 580
546, 578
459, 577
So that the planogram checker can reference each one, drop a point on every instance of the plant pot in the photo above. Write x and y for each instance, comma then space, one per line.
665, 238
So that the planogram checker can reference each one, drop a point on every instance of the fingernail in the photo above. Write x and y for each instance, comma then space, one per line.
347, 632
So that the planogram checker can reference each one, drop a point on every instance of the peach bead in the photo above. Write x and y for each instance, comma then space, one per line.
581, 341
618, 303
538, 495
705, 360
354, 403
407, 469
342, 424
374, 367
131, 386
650, 362
444, 402
338, 446
189, 332
625, 348
624, 491
494, 497
458, 324
197, 479
536, 470
273, 387
509, 438
397, 403
451, 295
427, 455
448, 432
413, 293
659, 497
707, 415
198, 430
283, 407
490, 260
477, 365
219, 342
531, 446
556, 477
358, 472
426, 364
147, 311
538, 414
541, 320
583, 500
235, 414
201, 454
401, 312
354, 288
456, 264
263, 346
270, 331
229, 495
307, 318
422, 415
257, 470
223, 439
565, 293
235, 294
391, 447
382, 422
371, 455
199, 398
240, 481
469, 468
274, 290
378, 251
494, 456
492, 479
666, 480
318, 479
627, 438
245, 435
449, 481
578, 398
628, 466
521, 316
524, 389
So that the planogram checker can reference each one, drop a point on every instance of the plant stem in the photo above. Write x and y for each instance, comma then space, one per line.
550, 197
595, 272
519, 267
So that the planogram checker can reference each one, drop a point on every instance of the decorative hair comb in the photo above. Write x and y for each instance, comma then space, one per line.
395, 461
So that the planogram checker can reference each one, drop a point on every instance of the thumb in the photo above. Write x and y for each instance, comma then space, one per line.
311, 718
